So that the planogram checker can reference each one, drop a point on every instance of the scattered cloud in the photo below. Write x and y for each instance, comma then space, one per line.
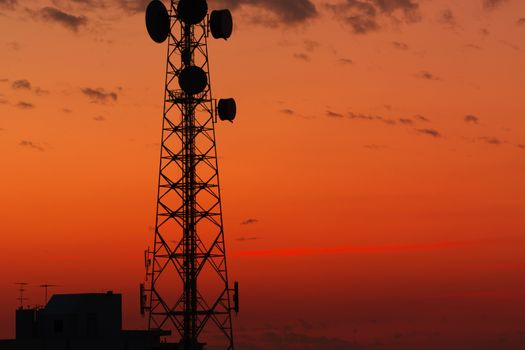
447, 17
66, 110
345, 61
333, 114
287, 111
247, 238
400, 45
430, 132
426, 75
521, 145
25, 105
521, 21
302, 56
13, 45
31, 144
361, 116
99, 95
8, 4
492, 4
491, 140
287, 12
364, 16
99, 118
4, 80
67, 20
249, 221
406, 121
21, 84
311, 45
471, 119
421, 118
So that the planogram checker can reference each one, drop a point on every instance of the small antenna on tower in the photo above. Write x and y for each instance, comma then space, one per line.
21, 290
46, 286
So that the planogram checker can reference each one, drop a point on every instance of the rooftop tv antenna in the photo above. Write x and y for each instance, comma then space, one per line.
21, 290
188, 290
46, 286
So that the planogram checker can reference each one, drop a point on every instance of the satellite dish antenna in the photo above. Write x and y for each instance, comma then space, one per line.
192, 11
193, 80
227, 109
157, 21
221, 24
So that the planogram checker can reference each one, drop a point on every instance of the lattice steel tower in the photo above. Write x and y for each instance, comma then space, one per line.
187, 289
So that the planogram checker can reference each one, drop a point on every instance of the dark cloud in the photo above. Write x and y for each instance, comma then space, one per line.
21, 84
521, 145
421, 118
100, 95
133, 6
361, 116
490, 140
447, 17
25, 105
3, 80
288, 12
99, 118
430, 132
364, 16
288, 111
301, 56
249, 238
521, 21
406, 121
399, 45
249, 221
13, 45
69, 21
345, 61
426, 75
333, 114
8, 4
31, 144
66, 110
471, 119
491, 4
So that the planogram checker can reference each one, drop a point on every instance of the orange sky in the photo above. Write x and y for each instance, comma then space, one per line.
373, 186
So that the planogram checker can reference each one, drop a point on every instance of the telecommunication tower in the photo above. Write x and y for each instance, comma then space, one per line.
187, 289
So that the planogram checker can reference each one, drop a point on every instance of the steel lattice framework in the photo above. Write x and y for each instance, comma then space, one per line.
188, 290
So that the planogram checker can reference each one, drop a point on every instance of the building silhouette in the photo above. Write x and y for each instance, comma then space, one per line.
80, 322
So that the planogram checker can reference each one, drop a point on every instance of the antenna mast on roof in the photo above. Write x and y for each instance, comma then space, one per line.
188, 289
21, 290
46, 286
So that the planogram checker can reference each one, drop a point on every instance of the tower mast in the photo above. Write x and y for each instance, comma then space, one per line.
188, 290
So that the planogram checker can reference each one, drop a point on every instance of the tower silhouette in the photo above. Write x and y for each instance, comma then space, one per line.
187, 289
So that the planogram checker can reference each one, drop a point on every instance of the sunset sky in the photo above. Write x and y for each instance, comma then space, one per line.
373, 184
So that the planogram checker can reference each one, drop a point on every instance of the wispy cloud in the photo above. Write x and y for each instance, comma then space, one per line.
21, 84
249, 221
99, 95
8, 4
361, 249
400, 45
25, 105
67, 20
31, 144
247, 238
490, 140
426, 75
365, 16
429, 132
289, 12
471, 119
